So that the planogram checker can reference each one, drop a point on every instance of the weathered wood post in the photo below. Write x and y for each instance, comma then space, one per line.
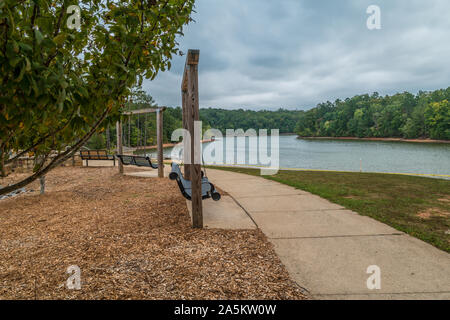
159, 135
119, 143
194, 115
2, 162
186, 139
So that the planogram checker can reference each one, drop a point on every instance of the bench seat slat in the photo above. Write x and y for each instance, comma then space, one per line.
139, 161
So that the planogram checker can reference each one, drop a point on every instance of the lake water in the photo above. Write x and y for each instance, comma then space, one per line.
375, 156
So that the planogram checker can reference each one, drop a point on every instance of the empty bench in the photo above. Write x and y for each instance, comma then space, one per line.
208, 189
96, 155
139, 161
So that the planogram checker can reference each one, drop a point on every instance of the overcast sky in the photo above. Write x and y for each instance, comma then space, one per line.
257, 54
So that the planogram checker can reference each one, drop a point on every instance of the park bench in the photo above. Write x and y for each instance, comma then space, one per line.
208, 189
96, 155
139, 161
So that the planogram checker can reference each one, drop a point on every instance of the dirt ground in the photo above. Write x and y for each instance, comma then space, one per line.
131, 239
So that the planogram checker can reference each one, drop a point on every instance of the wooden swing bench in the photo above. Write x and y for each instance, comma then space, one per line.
138, 161
208, 189
96, 155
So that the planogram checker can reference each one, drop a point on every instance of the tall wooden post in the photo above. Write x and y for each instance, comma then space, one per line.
186, 140
194, 115
2, 162
159, 134
108, 139
119, 143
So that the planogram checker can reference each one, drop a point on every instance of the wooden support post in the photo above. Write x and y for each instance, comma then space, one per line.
2, 162
119, 143
186, 139
159, 134
194, 115
108, 138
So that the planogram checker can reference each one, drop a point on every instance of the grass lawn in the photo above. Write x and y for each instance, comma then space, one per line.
415, 205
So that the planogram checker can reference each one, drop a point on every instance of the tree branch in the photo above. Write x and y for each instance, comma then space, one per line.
57, 160
58, 25
40, 141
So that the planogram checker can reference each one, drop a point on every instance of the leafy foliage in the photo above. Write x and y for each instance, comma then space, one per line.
221, 119
425, 115
59, 86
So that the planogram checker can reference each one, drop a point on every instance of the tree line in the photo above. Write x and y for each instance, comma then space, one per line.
140, 130
403, 115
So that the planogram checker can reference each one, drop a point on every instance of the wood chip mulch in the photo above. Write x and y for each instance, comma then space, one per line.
132, 239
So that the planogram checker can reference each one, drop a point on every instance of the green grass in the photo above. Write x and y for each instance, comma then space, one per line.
396, 200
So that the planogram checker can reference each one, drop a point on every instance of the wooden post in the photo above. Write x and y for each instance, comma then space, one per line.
159, 134
2, 162
108, 138
119, 143
186, 146
194, 115
129, 131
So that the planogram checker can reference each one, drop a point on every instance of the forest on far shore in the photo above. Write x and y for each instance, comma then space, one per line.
403, 115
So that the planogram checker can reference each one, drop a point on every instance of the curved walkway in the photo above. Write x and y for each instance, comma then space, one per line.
328, 249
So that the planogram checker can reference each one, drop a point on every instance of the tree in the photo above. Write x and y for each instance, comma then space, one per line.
97, 142
437, 119
401, 115
59, 86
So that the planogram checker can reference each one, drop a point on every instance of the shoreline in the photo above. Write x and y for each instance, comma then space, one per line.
377, 139
167, 145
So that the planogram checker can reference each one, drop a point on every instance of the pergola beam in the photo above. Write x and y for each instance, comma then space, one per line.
143, 111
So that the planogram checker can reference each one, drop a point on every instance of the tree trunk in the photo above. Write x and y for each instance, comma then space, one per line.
42, 182
2, 163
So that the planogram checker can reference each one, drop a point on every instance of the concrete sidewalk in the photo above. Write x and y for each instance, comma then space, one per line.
327, 249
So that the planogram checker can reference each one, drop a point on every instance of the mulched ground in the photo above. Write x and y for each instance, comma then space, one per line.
131, 238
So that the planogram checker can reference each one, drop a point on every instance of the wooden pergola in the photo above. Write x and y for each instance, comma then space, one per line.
191, 113
159, 134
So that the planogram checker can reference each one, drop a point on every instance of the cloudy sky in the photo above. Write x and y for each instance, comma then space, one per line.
257, 54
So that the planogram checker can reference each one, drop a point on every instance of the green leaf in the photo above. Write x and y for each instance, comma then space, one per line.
59, 39
122, 67
28, 65
16, 46
25, 47
15, 61
39, 36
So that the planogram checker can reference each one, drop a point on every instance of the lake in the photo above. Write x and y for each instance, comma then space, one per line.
374, 156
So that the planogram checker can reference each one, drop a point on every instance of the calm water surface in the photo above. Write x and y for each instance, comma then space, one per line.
375, 156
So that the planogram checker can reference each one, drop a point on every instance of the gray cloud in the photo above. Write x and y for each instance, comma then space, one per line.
296, 53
